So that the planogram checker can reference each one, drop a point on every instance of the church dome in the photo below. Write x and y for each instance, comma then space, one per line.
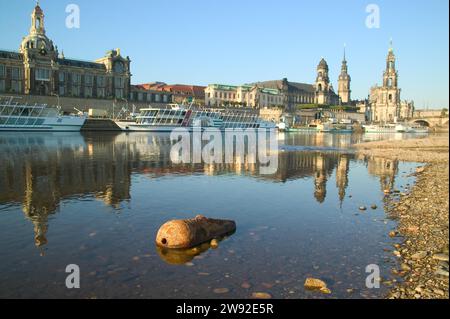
37, 41
323, 64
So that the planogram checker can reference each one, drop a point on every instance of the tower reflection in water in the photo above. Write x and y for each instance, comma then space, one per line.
38, 171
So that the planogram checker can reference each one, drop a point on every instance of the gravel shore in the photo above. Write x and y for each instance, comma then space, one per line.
423, 217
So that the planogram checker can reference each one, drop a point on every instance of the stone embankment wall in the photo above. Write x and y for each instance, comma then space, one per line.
68, 104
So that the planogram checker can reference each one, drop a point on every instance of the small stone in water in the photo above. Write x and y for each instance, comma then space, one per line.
325, 291
189, 264
261, 295
362, 208
246, 285
221, 290
374, 206
214, 243
267, 285
313, 283
392, 234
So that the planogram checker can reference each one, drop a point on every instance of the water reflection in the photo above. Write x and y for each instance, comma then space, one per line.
183, 256
39, 171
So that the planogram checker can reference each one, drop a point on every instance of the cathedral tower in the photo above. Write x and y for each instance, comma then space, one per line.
385, 102
344, 83
322, 83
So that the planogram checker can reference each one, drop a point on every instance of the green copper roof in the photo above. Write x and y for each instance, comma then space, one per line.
225, 87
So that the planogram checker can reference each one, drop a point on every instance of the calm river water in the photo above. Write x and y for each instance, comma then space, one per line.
97, 201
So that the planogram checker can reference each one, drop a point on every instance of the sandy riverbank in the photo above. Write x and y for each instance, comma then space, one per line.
423, 216
433, 149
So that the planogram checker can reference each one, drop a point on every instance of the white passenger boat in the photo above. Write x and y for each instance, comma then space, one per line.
382, 128
395, 128
322, 127
418, 129
15, 116
175, 116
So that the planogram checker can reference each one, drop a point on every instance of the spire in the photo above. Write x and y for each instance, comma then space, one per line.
391, 46
344, 52
344, 63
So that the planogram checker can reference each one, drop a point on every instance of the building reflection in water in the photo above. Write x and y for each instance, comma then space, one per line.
385, 169
38, 171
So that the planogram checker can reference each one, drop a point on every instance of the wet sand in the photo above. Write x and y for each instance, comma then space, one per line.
423, 217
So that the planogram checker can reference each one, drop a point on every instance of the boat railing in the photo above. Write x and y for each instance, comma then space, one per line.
14, 112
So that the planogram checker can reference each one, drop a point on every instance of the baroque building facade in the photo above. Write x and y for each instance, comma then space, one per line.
384, 101
253, 96
39, 69
276, 93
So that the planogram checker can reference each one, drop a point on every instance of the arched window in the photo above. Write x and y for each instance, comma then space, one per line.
38, 23
389, 83
320, 87
390, 97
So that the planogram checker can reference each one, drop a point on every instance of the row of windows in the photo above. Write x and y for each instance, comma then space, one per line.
88, 79
272, 99
224, 95
20, 121
302, 99
16, 73
149, 97
160, 121
15, 86
264, 97
45, 75
88, 91
232, 96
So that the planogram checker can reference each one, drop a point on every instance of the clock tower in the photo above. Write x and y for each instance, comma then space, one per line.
344, 83
40, 57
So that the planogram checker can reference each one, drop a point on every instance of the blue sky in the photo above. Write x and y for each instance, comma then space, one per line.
236, 41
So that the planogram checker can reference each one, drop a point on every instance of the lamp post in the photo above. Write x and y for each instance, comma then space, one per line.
126, 101
57, 100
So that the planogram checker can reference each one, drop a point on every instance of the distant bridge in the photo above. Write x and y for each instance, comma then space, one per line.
430, 118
